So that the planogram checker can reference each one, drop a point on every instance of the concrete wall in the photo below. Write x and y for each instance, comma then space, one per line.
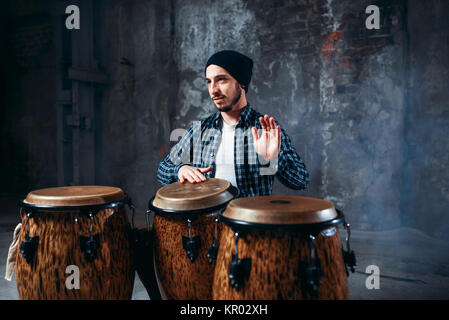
136, 108
28, 114
337, 89
367, 110
425, 193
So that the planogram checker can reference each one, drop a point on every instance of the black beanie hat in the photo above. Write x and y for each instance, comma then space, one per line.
238, 65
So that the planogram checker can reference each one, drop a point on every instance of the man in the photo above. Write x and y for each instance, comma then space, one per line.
222, 146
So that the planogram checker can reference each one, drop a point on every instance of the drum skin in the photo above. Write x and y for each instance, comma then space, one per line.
109, 276
178, 277
276, 256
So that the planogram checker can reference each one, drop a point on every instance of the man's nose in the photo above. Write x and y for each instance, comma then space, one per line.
214, 89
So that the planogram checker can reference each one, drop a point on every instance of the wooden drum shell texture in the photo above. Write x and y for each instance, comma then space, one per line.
276, 254
178, 277
110, 275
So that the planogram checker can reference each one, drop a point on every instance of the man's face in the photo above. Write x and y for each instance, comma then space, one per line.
224, 90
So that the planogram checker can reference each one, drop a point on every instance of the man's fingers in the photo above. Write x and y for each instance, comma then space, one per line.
190, 178
203, 170
192, 174
195, 175
199, 177
272, 123
278, 130
263, 123
267, 121
265, 126
255, 134
186, 174
274, 128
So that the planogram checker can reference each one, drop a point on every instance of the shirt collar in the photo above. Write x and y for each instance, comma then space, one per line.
244, 118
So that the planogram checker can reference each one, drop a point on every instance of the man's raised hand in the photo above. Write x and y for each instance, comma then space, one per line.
269, 142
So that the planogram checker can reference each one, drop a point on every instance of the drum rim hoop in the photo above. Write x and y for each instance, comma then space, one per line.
316, 226
192, 213
89, 207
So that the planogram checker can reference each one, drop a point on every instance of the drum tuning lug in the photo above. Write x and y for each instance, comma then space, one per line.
213, 249
239, 271
147, 219
213, 252
349, 260
311, 276
29, 245
90, 245
311, 271
348, 254
28, 248
191, 246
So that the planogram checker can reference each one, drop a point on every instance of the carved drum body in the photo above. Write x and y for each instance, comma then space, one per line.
280, 247
186, 236
74, 245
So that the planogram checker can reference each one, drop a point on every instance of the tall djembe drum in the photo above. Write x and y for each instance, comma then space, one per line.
74, 244
186, 236
281, 247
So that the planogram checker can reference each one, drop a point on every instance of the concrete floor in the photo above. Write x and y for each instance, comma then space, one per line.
412, 265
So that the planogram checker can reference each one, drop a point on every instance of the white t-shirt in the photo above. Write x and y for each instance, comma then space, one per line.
224, 160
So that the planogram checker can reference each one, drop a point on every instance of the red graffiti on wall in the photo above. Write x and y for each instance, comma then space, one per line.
328, 47
341, 54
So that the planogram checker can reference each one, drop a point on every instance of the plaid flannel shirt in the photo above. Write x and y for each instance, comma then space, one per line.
254, 174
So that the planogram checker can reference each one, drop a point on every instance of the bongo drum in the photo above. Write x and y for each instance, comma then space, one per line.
74, 244
186, 236
280, 247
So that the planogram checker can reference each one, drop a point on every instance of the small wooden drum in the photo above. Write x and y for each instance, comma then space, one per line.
186, 236
74, 245
280, 247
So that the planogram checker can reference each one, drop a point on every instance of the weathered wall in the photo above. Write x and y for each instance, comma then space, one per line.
28, 122
136, 108
367, 110
341, 92
336, 89
362, 110
425, 193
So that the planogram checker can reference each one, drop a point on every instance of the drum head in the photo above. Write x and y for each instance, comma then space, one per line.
279, 211
74, 196
193, 196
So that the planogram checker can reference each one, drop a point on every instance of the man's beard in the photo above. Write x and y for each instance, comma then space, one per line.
233, 103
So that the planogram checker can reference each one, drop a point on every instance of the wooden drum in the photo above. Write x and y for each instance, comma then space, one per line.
186, 236
280, 247
74, 244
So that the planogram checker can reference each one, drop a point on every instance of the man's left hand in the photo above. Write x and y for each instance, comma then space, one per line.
269, 142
